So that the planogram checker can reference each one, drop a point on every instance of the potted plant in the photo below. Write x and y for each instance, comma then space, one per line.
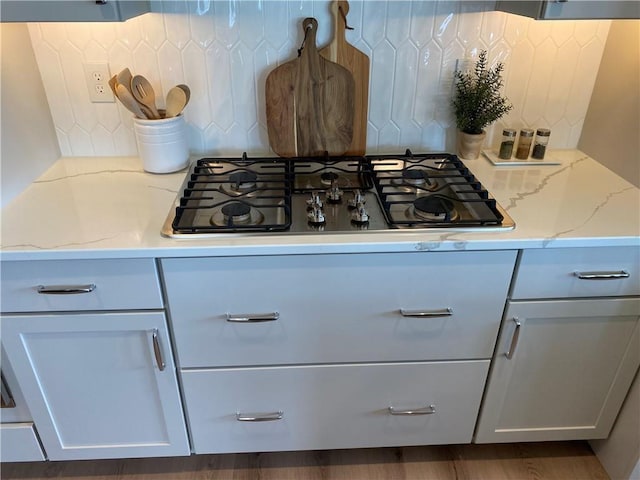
477, 103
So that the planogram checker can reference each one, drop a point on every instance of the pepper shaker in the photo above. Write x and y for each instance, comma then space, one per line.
524, 144
540, 143
506, 146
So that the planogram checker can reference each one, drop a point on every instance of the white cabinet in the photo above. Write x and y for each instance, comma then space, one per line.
18, 439
333, 406
91, 353
71, 10
98, 385
310, 351
571, 9
562, 367
336, 308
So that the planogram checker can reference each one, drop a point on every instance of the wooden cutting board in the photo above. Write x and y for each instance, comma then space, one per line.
345, 54
310, 103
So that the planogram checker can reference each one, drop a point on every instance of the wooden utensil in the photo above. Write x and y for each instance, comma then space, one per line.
128, 101
124, 78
143, 92
310, 103
176, 101
186, 89
113, 82
346, 55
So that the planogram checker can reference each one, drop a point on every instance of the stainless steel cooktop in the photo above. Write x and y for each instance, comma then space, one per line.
332, 194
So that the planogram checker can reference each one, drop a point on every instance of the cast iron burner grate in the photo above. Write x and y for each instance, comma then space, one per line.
469, 204
235, 195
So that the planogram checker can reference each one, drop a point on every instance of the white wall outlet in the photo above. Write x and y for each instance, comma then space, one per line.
97, 76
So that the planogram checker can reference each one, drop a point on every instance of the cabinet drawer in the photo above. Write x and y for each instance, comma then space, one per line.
333, 406
336, 308
557, 273
119, 284
18, 443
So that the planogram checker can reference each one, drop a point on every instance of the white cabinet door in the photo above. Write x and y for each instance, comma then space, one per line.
571, 9
71, 10
333, 406
95, 383
563, 373
336, 308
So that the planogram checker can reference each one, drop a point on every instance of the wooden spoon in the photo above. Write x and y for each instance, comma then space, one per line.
176, 101
128, 101
187, 91
143, 92
113, 82
124, 78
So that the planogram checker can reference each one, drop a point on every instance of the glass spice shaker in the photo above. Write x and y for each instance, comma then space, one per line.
524, 144
506, 146
540, 143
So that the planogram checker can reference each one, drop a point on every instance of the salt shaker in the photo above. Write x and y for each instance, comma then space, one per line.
540, 143
524, 144
506, 146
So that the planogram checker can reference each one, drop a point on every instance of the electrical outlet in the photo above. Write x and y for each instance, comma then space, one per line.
97, 76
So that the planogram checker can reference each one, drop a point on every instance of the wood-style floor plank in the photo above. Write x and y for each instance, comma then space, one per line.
523, 461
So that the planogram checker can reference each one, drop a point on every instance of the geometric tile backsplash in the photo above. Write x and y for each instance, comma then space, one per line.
224, 49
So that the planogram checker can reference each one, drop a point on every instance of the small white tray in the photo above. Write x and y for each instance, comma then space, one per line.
493, 158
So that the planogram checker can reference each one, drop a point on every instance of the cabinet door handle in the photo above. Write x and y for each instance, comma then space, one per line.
5, 394
444, 312
429, 410
601, 275
259, 417
65, 289
252, 317
514, 339
157, 351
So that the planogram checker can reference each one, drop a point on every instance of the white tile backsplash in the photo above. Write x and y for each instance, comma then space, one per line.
224, 50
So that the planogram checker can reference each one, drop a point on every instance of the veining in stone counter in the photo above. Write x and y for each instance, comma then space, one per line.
94, 207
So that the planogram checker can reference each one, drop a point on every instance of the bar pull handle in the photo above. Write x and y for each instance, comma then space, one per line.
5, 395
157, 351
444, 312
65, 289
428, 410
514, 339
601, 275
253, 317
259, 417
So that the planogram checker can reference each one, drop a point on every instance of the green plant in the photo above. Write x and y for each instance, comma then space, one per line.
477, 101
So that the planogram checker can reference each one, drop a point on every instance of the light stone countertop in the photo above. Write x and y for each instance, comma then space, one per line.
96, 207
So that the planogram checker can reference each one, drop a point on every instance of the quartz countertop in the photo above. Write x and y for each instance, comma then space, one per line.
97, 207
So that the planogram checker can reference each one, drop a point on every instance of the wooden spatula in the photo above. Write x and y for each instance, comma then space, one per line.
346, 55
310, 103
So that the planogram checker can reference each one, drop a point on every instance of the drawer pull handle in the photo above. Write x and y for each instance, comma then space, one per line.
445, 312
431, 409
601, 275
157, 351
253, 317
514, 339
66, 289
259, 417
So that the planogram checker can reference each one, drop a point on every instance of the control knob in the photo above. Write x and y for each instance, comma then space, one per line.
314, 201
359, 216
334, 194
316, 216
358, 198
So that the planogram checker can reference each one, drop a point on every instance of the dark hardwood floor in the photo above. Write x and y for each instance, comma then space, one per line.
524, 461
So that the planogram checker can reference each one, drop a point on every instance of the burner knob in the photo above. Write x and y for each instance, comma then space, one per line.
334, 194
357, 199
359, 215
316, 216
314, 201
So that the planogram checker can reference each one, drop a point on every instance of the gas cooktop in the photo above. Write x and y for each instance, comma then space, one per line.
410, 191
